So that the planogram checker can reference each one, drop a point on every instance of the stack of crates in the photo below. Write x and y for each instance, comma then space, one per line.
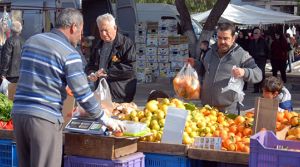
132, 160
160, 50
8, 154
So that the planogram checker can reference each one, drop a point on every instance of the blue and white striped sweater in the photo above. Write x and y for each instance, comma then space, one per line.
49, 63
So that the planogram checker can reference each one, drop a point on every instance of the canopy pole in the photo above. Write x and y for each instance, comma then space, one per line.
283, 28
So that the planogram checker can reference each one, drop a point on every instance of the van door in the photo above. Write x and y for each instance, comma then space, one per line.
126, 15
91, 9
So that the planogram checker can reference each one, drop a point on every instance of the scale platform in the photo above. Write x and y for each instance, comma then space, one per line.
85, 126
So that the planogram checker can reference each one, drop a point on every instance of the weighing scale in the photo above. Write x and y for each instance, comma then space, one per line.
86, 126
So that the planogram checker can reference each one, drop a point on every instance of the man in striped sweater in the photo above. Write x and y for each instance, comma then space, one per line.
50, 62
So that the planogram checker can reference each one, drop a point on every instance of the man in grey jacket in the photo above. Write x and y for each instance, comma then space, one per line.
218, 65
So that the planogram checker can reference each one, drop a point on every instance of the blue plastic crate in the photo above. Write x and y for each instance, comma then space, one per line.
263, 152
8, 154
132, 160
161, 160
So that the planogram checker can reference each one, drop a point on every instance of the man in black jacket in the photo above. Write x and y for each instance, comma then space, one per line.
114, 57
258, 49
11, 54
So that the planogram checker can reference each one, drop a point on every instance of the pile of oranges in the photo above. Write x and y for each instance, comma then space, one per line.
290, 120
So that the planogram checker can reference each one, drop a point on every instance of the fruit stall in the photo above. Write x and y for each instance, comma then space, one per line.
209, 138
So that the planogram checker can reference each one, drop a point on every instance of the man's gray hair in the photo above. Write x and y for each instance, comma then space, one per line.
107, 17
67, 17
16, 27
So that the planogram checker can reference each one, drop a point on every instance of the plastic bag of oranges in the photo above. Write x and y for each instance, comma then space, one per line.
186, 83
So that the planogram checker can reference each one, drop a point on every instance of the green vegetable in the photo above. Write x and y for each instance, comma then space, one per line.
5, 108
190, 106
231, 116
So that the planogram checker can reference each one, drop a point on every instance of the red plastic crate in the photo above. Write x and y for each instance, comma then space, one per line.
263, 152
132, 160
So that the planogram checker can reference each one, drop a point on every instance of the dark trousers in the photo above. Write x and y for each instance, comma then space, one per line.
261, 65
279, 65
39, 142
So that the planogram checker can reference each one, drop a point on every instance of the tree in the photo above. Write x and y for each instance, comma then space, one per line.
208, 28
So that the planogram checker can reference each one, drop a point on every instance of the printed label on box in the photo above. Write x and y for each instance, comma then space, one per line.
152, 66
163, 41
151, 58
141, 64
152, 42
140, 57
163, 51
163, 59
210, 143
151, 51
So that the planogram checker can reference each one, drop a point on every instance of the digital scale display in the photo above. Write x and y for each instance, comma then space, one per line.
85, 126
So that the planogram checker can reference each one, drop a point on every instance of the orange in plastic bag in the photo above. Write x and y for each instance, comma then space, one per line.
186, 83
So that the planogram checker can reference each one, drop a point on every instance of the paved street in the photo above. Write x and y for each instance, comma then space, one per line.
165, 85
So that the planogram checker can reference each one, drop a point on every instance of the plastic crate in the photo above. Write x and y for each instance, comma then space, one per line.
263, 152
8, 154
132, 160
160, 160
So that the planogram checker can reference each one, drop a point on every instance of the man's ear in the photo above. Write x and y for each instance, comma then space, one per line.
73, 28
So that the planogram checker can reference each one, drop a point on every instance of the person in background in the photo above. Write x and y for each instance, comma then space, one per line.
218, 65
11, 54
114, 57
49, 62
273, 89
291, 50
243, 41
258, 49
204, 46
279, 55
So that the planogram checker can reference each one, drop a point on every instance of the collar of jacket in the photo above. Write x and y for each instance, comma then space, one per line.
214, 47
59, 33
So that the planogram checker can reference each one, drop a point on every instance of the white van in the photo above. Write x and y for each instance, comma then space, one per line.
153, 12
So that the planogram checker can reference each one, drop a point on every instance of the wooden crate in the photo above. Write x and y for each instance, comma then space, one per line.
219, 156
96, 146
162, 148
7, 134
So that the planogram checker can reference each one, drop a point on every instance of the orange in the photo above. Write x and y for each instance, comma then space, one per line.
232, 147
240, 146
249, 114
233, 128
280, 116
239, 120
221, 119
240, 128
247, 132
287, 115
246, 149
294, 121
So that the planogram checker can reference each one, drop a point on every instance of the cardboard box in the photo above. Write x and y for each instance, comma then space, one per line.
151, 51
163, 51
174, 40
97, 146
176, 65
163, 32
141, 26
151, 59
140, 57
140, 48
152, 66
152, 42
140, 76
174, 49
12, 90
141, 64
152, 27
163, 59
163, 41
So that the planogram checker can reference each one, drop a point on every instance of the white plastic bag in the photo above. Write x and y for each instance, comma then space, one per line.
102, 93
4, 86
103, 96
236, 85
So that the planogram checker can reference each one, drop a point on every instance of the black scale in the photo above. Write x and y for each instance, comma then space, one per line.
85, 126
